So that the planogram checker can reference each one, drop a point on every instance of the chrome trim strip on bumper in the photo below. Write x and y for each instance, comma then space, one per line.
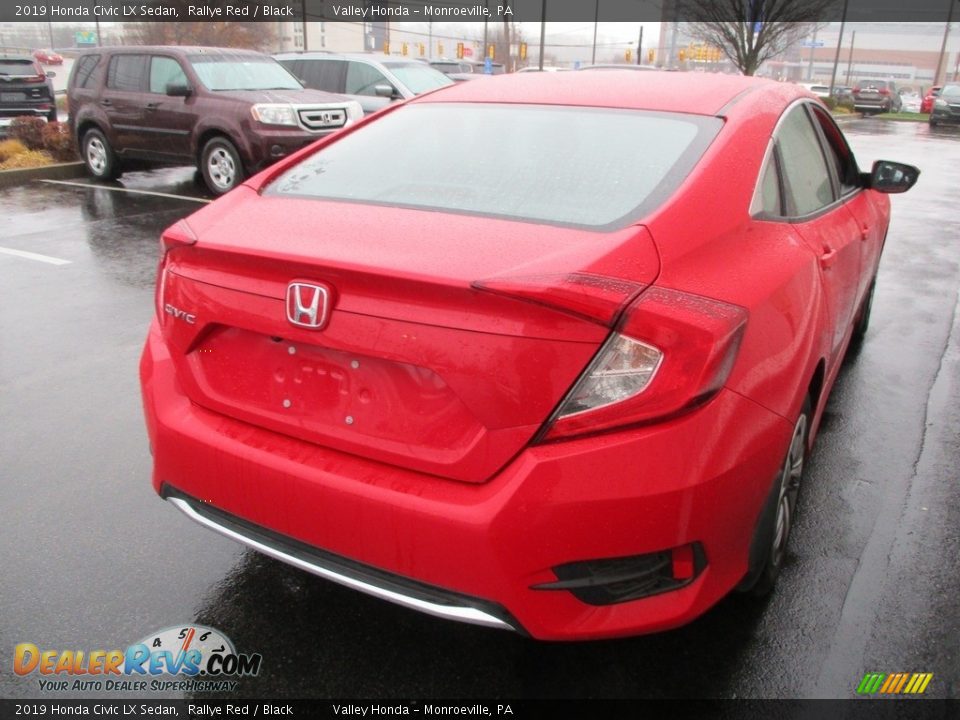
466, 614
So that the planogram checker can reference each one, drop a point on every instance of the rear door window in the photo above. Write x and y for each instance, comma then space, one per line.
327, 75
127, 73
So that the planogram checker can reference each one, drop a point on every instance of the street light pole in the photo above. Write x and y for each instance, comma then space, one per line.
836, 57
640, 45
303, 7
543, 30
943, 45
596, 20
853, 41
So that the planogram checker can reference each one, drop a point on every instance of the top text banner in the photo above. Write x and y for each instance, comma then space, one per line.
454, 10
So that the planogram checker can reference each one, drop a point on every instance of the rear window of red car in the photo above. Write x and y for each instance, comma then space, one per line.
589, 167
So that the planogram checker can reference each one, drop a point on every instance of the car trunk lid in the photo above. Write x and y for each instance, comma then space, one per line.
417, 365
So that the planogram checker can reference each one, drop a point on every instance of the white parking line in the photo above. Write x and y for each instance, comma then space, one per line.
34, 256
126, 190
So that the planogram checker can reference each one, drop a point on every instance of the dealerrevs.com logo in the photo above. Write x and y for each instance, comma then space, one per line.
203, 658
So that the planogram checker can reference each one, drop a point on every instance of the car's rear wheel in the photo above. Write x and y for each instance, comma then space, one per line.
221, 165
776, 525
98, 156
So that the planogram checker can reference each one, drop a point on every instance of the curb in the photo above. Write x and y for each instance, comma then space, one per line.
60, 171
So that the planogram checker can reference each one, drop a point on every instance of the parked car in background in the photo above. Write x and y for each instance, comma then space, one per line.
25, 90
821, 91
876, 96
946, 106
372, 80
48, 57
926, 105
479, 66
452, 67
910, 102
578, 409
230, 112
545, 68
843, 93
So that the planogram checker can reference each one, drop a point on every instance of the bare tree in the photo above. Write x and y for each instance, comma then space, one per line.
750, 32
239, 34
251, 35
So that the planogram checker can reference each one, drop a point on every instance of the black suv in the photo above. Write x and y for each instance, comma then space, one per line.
25, 89
232, 112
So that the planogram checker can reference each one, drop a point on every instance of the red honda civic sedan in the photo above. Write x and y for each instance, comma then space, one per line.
545, 352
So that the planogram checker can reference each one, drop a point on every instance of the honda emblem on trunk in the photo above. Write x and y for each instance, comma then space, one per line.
308, 304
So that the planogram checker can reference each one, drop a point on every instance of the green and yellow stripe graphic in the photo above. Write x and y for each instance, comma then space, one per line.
894, 683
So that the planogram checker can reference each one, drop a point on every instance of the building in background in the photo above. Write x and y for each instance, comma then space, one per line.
906, 53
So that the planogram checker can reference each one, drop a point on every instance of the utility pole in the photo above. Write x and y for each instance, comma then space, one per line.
640, 45
836, 58
853, 41
543, 30
486, 5
596, 20
943, 45
813, 49
303, 6
430, 39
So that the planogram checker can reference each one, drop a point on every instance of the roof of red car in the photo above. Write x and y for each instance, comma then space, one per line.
697, 93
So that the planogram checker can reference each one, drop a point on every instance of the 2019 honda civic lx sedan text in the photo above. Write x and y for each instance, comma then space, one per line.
545, 352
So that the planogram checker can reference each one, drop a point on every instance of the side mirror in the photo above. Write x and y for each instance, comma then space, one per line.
50, 74
179, 90
384, 90
892, 177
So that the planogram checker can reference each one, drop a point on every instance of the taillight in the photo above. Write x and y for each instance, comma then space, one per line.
884, 91
592, 297
177, 235
670, 353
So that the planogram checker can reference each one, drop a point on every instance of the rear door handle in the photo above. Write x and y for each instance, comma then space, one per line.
828, 258
152, 106
106, 102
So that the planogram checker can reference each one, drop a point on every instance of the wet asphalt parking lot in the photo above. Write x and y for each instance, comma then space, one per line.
90, 558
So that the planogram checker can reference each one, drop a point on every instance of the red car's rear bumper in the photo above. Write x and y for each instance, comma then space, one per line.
698, 479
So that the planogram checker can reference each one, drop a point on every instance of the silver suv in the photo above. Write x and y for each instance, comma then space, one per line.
372, 80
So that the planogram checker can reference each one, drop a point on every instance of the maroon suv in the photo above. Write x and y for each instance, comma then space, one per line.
232, 112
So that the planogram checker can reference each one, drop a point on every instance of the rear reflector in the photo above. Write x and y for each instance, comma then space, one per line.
615, 580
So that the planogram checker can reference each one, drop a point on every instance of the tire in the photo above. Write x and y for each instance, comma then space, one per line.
863, 317
221, 166
52, 116
98, 156
933, 123
774, 528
